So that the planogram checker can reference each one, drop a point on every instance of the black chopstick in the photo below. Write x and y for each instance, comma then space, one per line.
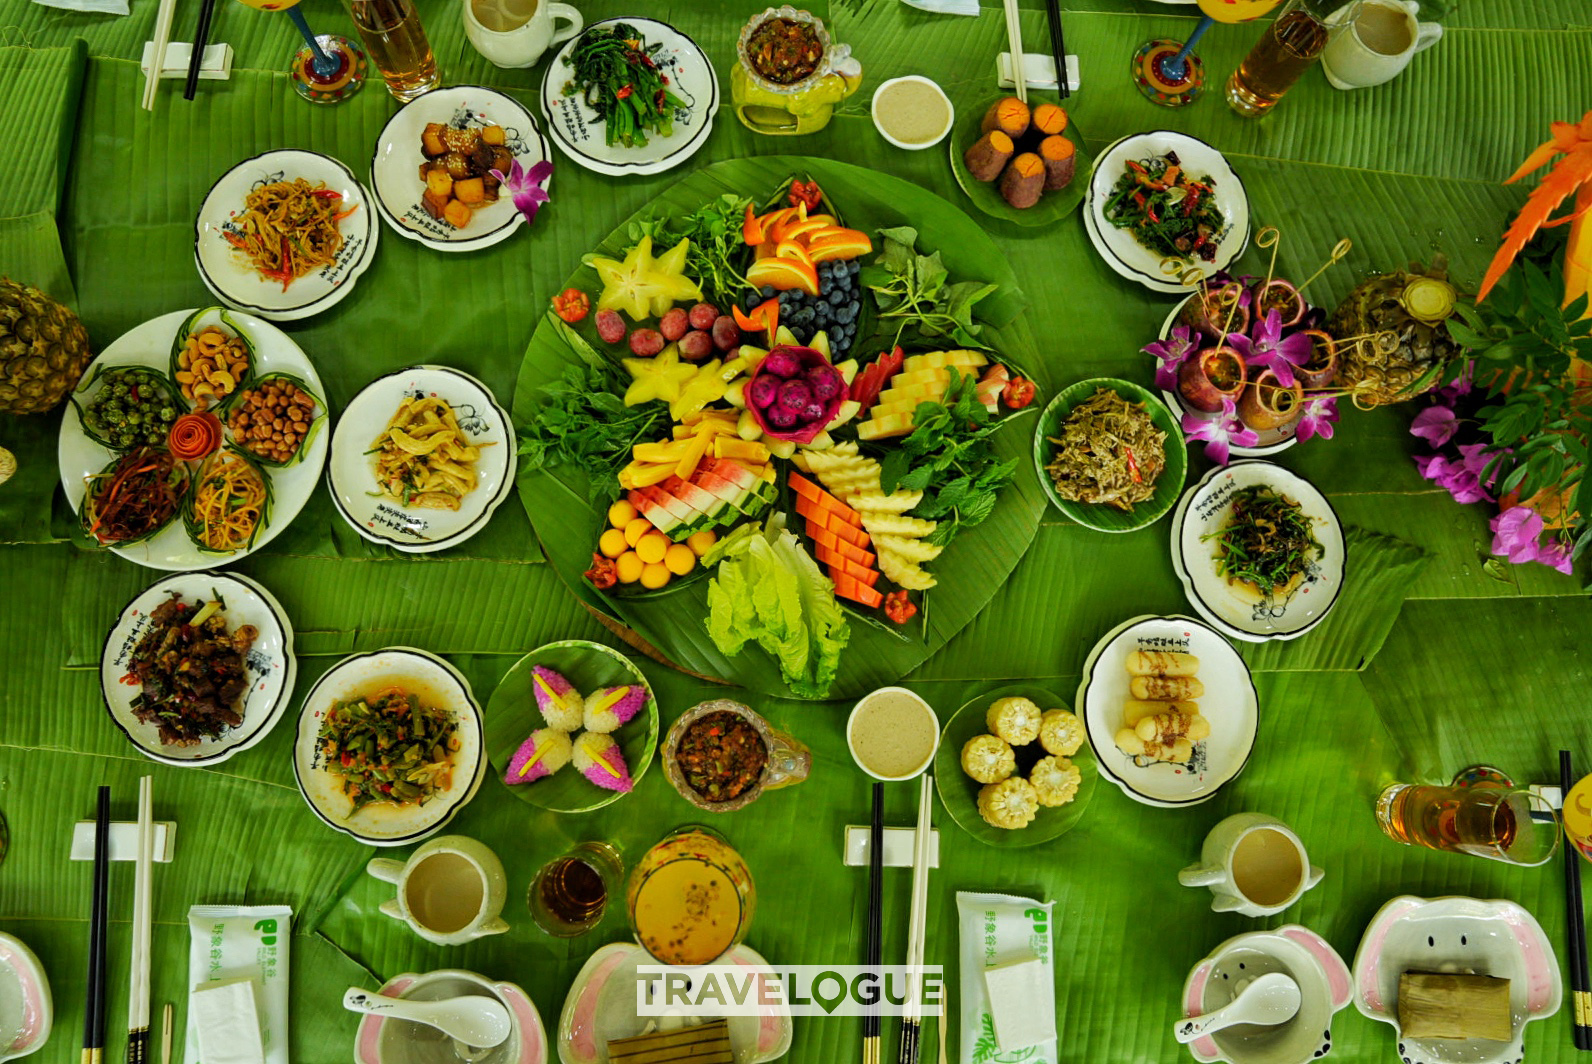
1575, 923
870, 1022
94, 1014
201, 40
1058, 45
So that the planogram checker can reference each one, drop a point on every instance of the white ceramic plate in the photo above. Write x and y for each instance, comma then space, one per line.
1229, 703
149, 345
1126, 255
361, 675
269, 664
227, 273
1238, 611
351, 473
1272, 441
395, 167
602, 1005
1461, 936
26, 1011
579, 132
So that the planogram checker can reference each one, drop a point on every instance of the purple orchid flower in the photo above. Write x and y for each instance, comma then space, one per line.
1269, 349
1173, 352
526, 186
1436, 425
1220, 431
1318, 418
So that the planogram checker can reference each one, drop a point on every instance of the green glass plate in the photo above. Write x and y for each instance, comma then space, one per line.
1109, 518
511, 716
986, 195
959, 791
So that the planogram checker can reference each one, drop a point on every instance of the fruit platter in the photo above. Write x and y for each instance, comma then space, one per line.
786, 402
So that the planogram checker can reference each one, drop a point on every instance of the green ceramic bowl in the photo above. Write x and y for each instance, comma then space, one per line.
986, 195
1103, 518
511, 716
959, 791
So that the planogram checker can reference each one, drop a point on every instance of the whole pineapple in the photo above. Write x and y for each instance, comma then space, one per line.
43, 350
1394, 323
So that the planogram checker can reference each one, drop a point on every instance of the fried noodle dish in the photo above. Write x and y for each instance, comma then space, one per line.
191, 670
1109, 451
422, 457
290, 228
391, 747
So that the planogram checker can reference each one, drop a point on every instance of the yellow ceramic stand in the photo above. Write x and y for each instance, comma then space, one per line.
807, 105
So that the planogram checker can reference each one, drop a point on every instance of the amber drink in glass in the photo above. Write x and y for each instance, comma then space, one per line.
397, 44
1513, 826
1292, 42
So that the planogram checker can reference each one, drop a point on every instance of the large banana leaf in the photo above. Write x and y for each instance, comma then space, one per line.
971, 568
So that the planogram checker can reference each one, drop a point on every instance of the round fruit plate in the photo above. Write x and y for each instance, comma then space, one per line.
1101, 517
959, 791
986, 195
273, 356
512, 715
570, 513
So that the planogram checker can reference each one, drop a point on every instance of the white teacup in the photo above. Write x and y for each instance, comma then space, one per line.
450, 891
1373, 40
515, 33
1254, 864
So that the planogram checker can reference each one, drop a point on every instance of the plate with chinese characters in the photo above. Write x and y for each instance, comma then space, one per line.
1149, 668
401, 191
581, 133
421, 459
269, 667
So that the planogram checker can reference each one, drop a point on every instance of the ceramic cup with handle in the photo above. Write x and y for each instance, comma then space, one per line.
515, 33
1253, 864
450, 891
1373, 40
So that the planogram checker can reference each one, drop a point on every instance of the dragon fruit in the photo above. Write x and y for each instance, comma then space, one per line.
806, 394
795, 395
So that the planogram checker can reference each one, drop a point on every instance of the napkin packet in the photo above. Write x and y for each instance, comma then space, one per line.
945, 7
1008, 997
238, 983
93, 7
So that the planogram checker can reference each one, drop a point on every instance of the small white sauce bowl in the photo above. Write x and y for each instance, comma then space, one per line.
950, 112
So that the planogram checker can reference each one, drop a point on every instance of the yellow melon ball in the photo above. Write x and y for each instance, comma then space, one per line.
655, 576
634, 530
652, 547
612, 543
629, 567
701, 542
679, 560
621, 513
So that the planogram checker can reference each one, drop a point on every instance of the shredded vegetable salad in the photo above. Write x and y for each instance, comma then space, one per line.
290, 228
1109, 451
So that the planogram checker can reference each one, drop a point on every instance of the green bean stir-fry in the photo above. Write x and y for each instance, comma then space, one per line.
1267, 540
1167, 211
618, 77
390, 747
1109, 451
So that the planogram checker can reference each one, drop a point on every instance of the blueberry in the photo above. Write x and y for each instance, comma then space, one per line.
846, 314
767, 291
854, 267
837, 296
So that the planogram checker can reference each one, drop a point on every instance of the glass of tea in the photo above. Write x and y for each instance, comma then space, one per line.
1291, 43
569, 894
690, 898
397, 44
1500, 823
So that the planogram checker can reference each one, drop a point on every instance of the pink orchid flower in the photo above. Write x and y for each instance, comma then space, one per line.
526, 186
1267, 348
1317, 420
1172, 352
1220, 432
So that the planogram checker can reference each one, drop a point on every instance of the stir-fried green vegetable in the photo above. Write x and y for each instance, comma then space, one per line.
1109, 451
617, 76
1166, 210
390, 747
1267, 540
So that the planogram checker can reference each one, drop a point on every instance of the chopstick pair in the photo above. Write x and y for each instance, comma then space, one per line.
138, 998
1058, 46
1575, 921
911, 1023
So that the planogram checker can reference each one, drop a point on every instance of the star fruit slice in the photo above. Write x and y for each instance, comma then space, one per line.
641, 285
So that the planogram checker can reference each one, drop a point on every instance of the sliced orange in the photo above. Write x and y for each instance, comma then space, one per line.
784, 274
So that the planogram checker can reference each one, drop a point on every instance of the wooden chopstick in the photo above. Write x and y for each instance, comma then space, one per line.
166, 1026
94, 1012
201, 39
138, 992
911, 1023
870, 1022
1058, 45
1014, 42
157, 55
1575, 924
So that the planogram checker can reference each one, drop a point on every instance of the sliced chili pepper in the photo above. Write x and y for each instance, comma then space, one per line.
1133, 466
624, 93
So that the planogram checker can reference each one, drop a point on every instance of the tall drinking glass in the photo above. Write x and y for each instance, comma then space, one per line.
397, 45
1292, 42
1498, 823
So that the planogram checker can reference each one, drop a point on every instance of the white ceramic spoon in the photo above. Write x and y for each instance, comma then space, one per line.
475, 1021
1269, 1000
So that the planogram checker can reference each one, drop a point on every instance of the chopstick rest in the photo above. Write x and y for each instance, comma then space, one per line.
124, 834
215, 65
898, 844
1039, 71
